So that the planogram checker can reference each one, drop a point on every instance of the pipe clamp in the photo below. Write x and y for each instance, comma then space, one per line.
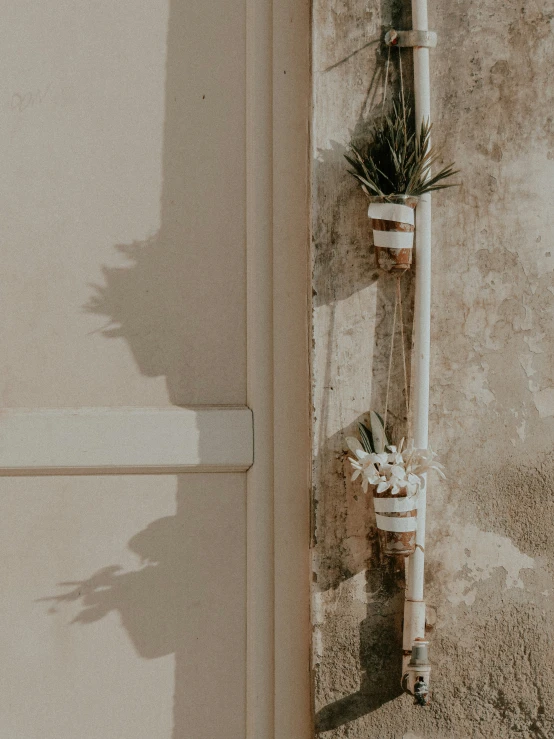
422, 39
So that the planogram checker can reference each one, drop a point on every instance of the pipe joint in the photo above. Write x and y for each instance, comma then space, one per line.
412, 39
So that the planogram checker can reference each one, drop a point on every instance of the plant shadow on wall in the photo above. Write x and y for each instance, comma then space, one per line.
179, 310
179, 303
353, 304
185, 599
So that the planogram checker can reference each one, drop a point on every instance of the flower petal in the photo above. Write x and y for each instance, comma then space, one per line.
398, 471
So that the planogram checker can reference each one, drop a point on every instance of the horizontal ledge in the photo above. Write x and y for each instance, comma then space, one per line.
76, 441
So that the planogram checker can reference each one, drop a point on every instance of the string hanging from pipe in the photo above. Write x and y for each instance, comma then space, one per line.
398, 293
398, 309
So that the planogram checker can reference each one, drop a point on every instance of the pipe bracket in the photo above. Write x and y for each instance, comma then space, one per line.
421, 39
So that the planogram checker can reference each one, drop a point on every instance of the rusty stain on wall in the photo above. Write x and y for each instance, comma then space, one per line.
490, 572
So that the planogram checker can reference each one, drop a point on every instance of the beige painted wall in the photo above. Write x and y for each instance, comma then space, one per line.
123, 607
490, 555
123, 284
123, 203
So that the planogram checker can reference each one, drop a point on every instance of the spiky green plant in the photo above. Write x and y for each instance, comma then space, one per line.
397, 159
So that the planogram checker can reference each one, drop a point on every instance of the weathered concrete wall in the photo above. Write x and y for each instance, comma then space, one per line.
491, 545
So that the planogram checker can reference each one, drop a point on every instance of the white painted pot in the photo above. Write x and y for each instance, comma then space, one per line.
396, 517
393, 226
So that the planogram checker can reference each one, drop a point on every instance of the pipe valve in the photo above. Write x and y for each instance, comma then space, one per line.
418, 674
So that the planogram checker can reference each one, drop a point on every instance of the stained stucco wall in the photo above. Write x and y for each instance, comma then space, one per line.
490, 545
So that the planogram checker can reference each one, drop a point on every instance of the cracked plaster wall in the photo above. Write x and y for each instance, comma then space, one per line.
490, 549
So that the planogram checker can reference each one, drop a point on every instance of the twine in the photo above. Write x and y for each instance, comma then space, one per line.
402, 96
398, 309
398, 294
386, 79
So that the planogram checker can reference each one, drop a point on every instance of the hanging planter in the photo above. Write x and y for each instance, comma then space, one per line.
393, 226
396, 518
395, 476
393, 168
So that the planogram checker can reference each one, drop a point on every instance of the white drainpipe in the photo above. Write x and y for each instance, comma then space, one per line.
414, 606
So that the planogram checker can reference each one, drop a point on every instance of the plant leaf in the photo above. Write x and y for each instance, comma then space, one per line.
366, 438
378, 432
398, 158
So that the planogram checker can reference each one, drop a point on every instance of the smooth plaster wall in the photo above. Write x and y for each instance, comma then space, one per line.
123, 607
123, 203
490, 549
123, 283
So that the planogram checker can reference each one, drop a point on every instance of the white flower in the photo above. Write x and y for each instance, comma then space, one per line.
413, 483
362, 464
383, 485
395, 456
420, 461
399, 470
381, 459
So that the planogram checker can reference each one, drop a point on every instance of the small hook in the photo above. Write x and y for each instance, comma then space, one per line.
391, 37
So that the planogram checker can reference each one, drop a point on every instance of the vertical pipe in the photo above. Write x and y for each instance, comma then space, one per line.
414, 609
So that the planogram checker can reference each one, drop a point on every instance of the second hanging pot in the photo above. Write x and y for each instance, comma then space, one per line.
396, 517
393, 224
